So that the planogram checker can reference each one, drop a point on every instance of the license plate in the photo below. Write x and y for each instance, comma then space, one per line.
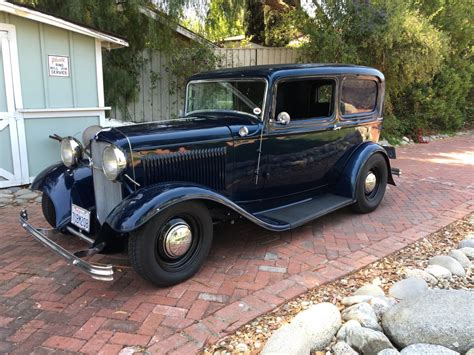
81, 218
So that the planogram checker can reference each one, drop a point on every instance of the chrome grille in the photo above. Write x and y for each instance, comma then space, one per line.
108, 194
201, 166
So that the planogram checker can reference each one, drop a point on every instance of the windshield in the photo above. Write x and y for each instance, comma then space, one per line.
245, 96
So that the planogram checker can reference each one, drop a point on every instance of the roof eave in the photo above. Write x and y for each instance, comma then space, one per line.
107, 41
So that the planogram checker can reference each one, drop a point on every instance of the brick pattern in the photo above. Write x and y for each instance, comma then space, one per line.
45, 305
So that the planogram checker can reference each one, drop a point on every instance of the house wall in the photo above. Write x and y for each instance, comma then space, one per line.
50, 104
35, 41
160, 99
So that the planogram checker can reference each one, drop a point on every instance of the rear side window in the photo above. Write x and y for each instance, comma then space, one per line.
306, 98
358, 96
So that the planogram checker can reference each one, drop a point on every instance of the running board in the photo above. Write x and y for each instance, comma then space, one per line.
302, 212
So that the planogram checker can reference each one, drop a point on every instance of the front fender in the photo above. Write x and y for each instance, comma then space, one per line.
346, 184
142, 205
64, 185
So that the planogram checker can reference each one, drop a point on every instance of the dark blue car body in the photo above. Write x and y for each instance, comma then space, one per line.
277, 176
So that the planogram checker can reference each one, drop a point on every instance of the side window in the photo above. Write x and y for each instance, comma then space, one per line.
358, 96
305, 98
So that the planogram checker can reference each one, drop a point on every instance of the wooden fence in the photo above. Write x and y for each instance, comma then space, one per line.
160, 98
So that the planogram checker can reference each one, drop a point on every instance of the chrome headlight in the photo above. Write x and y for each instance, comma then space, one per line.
71, 151
113, 162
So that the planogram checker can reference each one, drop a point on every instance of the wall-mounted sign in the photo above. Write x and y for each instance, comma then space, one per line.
58, 65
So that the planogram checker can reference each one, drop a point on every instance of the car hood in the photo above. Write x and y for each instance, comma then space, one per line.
180, 131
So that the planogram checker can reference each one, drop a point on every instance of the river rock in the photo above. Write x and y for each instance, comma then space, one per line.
289, 339
426, 349
369, 290
440, 317
312, 329
388, 352
469, 252
27, 196
449, 263
346, 327
461, 258
421, 274
368, 341
21, 192
342, 348
408, 288
381, 304
364, 314
321, 322
439, 272
351, 300
466, 243
470, 352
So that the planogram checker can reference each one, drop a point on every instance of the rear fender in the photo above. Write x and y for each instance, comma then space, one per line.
346, 185
142, 205
64, 185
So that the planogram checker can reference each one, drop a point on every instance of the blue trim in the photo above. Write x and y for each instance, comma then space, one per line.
139, 207
346, 186
64, 185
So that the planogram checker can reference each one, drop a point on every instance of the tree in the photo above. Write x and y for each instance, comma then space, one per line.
270, 22
398, 38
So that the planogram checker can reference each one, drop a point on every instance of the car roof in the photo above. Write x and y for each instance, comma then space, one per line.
275, 71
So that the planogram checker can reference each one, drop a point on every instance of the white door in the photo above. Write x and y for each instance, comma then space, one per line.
10, 162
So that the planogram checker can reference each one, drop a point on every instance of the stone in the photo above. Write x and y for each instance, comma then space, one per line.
279, 342
321, 322
368, 341
28, 196
5, 201
408, 288
381, 305
461, 258
440, 317
369, 290
346, 327
439, 272
21, 192
38, 199
468, 251
342, 348
364, 314
351, 300
242, 347
421, 274
424, 349
388, 352
470, 352
449, 263
466, 243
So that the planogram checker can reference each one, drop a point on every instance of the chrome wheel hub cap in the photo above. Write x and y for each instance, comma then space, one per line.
370, 182
177, 240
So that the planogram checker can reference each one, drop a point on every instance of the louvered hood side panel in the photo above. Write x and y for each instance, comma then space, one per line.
201, 166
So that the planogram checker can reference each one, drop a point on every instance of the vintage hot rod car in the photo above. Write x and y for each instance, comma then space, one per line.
277, 145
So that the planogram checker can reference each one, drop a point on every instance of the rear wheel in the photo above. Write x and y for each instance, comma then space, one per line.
49, 212
173, 245
371, 184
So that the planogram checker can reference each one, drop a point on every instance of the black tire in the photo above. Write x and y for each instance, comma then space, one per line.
49, 212
147, 251
368, 201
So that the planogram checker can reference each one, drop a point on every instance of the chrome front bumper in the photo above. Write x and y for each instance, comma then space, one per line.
96, 271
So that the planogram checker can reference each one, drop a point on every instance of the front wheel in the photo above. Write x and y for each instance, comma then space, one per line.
371, 184
172, 246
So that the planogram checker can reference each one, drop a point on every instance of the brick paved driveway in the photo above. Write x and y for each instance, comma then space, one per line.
47, 305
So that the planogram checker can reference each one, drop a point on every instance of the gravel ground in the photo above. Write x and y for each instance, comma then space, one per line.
385, 272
